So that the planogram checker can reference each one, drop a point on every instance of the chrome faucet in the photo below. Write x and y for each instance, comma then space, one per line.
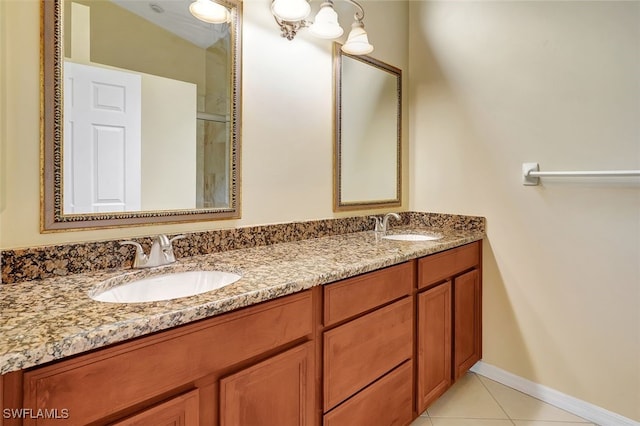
385, 220
381, 224
378, 223
161, 252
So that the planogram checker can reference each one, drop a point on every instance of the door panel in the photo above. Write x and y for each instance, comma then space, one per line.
434, 344
103, 140
277, 391
468, 322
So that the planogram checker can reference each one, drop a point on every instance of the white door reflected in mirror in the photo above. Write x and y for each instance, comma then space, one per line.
102, 141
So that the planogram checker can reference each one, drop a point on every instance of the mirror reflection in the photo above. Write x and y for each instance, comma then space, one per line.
367, 148
150, 108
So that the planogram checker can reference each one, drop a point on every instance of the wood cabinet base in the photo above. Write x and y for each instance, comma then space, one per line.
376, 349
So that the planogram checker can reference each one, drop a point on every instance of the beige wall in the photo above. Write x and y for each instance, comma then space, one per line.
287, 116
168, 143
496, 84
3, 112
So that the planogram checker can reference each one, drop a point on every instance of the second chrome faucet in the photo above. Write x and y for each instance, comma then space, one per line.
161, 252
381, 223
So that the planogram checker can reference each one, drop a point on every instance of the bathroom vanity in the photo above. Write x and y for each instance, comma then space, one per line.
376, 347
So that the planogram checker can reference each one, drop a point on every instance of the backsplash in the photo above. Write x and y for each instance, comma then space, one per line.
60, 260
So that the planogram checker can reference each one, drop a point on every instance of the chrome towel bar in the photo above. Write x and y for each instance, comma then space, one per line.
531, 173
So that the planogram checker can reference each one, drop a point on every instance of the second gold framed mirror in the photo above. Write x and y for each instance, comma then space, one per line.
367, 133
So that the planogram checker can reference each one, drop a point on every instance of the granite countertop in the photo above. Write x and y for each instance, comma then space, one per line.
54, 318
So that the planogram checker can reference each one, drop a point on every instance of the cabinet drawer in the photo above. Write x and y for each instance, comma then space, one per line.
102, 383
356, 295
438, 267
386, 402
363, 350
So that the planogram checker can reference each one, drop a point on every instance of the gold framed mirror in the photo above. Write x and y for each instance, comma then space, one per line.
140, 114
367, 133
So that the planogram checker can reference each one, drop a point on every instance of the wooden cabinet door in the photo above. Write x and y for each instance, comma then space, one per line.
276, 392
467, 322
433, 344
179, 411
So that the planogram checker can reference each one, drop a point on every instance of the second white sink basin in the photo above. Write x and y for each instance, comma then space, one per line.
412, 237
167, 287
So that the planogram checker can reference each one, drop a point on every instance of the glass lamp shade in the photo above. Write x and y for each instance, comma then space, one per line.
357, 41
325, 24
291, 10
209, 11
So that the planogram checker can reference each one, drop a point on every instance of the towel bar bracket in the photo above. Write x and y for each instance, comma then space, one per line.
528, 180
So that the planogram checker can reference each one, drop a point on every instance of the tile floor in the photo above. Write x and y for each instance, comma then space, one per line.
477, 401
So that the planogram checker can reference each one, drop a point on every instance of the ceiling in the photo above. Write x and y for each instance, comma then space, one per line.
174, 16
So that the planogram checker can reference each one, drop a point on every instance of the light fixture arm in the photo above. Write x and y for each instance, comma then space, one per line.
289, 29
359, 15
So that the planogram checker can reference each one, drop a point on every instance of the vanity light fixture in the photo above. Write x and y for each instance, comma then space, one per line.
209, 11
290, 16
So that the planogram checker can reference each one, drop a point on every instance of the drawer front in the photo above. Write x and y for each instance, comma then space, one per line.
438, 267
386, 402
363, 350
97, 385
354, 296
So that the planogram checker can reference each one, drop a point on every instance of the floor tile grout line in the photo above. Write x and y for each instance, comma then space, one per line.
508, 418
585, 422
560, 422
476, 418
495, 399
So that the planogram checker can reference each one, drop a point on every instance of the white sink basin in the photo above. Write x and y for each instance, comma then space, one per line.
412, 237
167, 286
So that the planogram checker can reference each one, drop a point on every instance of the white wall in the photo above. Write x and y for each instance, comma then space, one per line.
496, 84
287, 105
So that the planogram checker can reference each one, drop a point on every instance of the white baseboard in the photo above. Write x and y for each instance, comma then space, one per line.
586, 410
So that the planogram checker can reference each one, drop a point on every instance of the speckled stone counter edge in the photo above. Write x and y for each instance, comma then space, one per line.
60, 260
50, 319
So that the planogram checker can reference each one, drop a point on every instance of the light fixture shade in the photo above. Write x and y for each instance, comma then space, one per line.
325, 24
291, 10
357, 41
209, 11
